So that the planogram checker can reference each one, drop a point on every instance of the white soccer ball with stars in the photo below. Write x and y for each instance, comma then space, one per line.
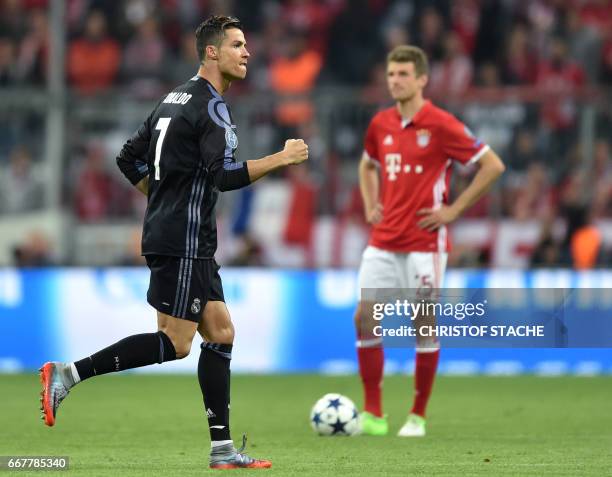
334, 415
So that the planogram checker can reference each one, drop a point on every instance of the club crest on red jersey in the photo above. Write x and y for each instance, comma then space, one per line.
423, 136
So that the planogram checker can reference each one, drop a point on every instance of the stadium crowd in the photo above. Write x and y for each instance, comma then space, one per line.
518, 72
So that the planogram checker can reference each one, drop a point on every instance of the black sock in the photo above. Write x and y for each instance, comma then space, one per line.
131, 352
214, 377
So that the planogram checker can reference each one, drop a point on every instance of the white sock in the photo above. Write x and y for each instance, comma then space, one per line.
75, 373
214, 444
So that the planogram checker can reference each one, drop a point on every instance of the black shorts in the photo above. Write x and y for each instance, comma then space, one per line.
181, 287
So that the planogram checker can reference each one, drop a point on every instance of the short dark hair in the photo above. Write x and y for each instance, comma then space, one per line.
410, 54
211, 32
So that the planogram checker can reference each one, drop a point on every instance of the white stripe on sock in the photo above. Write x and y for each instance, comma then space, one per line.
428, 348
75, 373
371, 343
214, 444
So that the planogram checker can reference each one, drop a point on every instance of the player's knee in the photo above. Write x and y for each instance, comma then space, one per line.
182, 345
182, 350
222, 334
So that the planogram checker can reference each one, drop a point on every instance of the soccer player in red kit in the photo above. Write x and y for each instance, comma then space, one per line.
404, 176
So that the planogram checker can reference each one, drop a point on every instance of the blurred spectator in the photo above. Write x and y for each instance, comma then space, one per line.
574, 198
186, 64
354, 44
8, 70
584, 44
312, 17
597, 14
12, 19
143, 62
33, 53
20, 188
533, 198
94, 186
602, 174
35, 251
465, 18
606, 60
494, 122
264, 48
396, 16
431, 34
583, 237
519, 61
453, 74
574, 190
546, 253
490, 33
170, 24
299, 228
376, 91
524, 150
396, 35
561, 77
488, 75
94, 58
293, 77
543, 17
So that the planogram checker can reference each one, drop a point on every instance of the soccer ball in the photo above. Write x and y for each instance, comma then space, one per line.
334, 415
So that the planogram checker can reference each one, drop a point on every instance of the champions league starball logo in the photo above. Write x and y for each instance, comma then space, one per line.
231, 139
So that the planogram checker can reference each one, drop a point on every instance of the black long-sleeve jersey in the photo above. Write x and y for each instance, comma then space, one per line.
186, 147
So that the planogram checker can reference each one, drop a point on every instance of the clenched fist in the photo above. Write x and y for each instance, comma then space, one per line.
296, 151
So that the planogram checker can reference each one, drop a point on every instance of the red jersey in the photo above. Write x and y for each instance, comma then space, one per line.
415, 159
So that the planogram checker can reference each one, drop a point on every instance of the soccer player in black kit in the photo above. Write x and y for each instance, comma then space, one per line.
181, 157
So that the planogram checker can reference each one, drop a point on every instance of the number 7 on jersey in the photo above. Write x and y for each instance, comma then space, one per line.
162, 125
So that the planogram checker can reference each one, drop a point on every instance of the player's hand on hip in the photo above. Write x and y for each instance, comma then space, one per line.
296, 151
375, 214
433, 219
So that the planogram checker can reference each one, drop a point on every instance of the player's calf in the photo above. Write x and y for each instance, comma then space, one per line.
370, 356
131, 352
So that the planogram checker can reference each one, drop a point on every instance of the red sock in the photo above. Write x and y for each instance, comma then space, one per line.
424, 375
371, 363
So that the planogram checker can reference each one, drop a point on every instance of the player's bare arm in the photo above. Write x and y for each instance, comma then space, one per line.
295, 152
490, 168
369, 184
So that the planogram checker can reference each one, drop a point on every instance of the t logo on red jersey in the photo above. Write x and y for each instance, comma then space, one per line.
393, 162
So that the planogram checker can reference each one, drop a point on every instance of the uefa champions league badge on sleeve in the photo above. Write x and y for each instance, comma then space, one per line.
231, 139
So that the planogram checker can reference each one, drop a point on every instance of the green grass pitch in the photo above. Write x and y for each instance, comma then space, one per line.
143, 425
